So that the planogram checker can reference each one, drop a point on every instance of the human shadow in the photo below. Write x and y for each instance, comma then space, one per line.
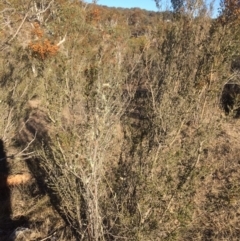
5, 194
7, 225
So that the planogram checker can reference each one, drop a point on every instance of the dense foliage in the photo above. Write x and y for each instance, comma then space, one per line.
116, 114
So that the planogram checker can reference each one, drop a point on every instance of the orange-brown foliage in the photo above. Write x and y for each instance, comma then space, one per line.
44, 48
37, 31
94, 15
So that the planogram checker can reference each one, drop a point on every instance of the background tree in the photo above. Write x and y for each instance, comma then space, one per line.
177, 5
230, 10
192, 8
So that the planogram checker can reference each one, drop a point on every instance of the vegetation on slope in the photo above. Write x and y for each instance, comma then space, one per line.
116, 114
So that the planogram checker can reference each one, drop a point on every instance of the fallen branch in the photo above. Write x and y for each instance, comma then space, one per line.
62, 41
14, 180
20, 26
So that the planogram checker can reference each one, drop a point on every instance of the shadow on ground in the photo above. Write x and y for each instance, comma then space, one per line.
7, 225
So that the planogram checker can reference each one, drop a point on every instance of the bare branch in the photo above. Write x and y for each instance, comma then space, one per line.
62, 41
20, 26
44, 10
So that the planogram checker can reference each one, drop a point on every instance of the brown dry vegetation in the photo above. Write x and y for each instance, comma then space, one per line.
119, 123
14, 180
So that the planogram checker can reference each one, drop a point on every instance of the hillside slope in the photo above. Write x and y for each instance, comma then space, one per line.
116, 115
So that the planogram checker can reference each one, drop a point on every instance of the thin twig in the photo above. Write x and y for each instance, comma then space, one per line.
8, 123
44, 10
8, 9
21, 152
20, 26
178, 132
62, 41
61, 150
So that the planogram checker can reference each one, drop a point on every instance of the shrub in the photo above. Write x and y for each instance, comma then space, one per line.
43, 49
